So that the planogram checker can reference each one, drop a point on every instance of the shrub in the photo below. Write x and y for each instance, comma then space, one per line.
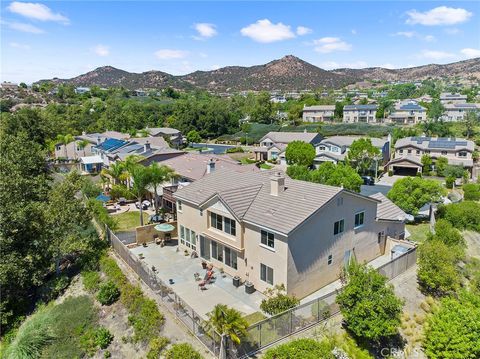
54, 287
182, 351
278, 303
103, 337
91, 281
449, 181
107, 354
301, 348
146, 319
157, 345
235, 150
390, 173
463, 215
446, 233
112, 270
419, 174
108, 293
471, 191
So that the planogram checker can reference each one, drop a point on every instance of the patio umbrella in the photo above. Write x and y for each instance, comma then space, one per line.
164, 227
102, 197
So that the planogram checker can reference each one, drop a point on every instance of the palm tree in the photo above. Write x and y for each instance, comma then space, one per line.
115, 172
141, 179
82, 144
228, 322
129, 164
65, 140
158, 175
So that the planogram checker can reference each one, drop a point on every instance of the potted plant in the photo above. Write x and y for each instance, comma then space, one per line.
185, 252
204, 264
140, 255
222, 272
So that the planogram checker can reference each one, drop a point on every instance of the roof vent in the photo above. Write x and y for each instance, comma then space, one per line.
210, 165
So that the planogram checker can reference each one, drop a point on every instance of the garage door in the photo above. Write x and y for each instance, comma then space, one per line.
405, 171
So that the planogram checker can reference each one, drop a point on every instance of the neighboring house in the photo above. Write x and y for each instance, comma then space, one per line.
359, 113
457, 111
273, 144
452, 98
409, 151
91, 164
409, 113
269, 229
174, 135
319, 113
278, 99
82, 90
73, 150
334, 149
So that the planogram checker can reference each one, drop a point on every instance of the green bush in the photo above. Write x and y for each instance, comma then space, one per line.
157, 345
120, 190
390, 173
112, 270
463, 215
449, 181
100, 213
471, 192
91, 281
182, 351
235, 150
146, 319
278, 303
108, 293
103, 337
301, 348
54, 287
90, 189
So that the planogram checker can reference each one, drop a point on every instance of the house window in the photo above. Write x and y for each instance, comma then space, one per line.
359, 219
214, 249
182, 234
179, 205
427, 151
321, 148
338, 227
400, 151
230, 226
418, 152
230, 258
409, 151
216, 221
266, 273
380, 236
268, 239
330, 259
217, 251
201, 212
462, 154
444, 153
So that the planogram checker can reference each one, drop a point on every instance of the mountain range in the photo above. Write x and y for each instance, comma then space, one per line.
287, 73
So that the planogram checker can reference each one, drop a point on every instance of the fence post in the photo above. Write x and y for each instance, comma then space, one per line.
259, 336
318, 309
291, 322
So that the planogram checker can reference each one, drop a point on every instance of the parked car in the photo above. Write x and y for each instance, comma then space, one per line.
155, 218
122, 201
145, 205
368, 180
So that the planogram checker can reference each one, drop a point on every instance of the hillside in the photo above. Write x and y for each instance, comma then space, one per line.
287, 73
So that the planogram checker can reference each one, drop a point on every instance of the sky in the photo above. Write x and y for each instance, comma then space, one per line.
64, 39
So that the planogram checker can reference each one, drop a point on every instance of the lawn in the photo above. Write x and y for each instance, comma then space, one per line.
418, 231
127, 221
254, 317
265, 166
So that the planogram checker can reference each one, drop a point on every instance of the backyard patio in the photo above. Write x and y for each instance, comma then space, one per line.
170, 264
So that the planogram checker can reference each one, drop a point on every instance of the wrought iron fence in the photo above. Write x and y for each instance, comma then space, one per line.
172, 301
261, 334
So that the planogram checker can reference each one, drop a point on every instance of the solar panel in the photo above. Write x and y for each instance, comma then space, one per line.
111, 144
442, 144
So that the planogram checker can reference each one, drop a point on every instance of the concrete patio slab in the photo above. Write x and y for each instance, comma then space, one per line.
170, 264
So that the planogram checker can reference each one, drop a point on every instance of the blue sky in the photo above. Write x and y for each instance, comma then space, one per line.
67, 38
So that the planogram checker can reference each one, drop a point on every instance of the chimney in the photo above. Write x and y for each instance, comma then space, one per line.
146, 147
277, 184
210, 165
99, 140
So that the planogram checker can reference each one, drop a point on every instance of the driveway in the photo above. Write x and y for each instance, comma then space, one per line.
389, 180
369, 190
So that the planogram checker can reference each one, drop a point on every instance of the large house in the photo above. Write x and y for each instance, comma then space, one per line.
409, 151
457, 111
335, 149
173, 135
273, 144
319, 113
452, 98
359, 113
408, 113
269, 229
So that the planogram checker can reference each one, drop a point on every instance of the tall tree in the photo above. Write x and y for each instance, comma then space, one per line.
141, 180
362, 154
368, 304
300, 153
159, 174
471, 122
436, 110
228, 322
262, 111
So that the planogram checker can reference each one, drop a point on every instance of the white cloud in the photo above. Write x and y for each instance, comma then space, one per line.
441, 15
302, 30
265, 31
36, 11
168, 54
470, 53
17, 45
205, 30
408, 34
20, 26
101, 50
331, 44
436, 55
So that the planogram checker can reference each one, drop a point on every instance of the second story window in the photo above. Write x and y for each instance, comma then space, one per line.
216, 221
230, 226
462, 154
179, 205
359, 219
400, 151
444, 153
268, 239
338, 227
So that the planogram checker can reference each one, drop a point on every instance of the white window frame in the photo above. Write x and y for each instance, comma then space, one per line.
267, 235
355, 220
264, 274
341, 226
179, 205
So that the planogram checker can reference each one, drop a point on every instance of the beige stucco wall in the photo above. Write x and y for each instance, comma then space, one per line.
312, 243
146, 233
72, 151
